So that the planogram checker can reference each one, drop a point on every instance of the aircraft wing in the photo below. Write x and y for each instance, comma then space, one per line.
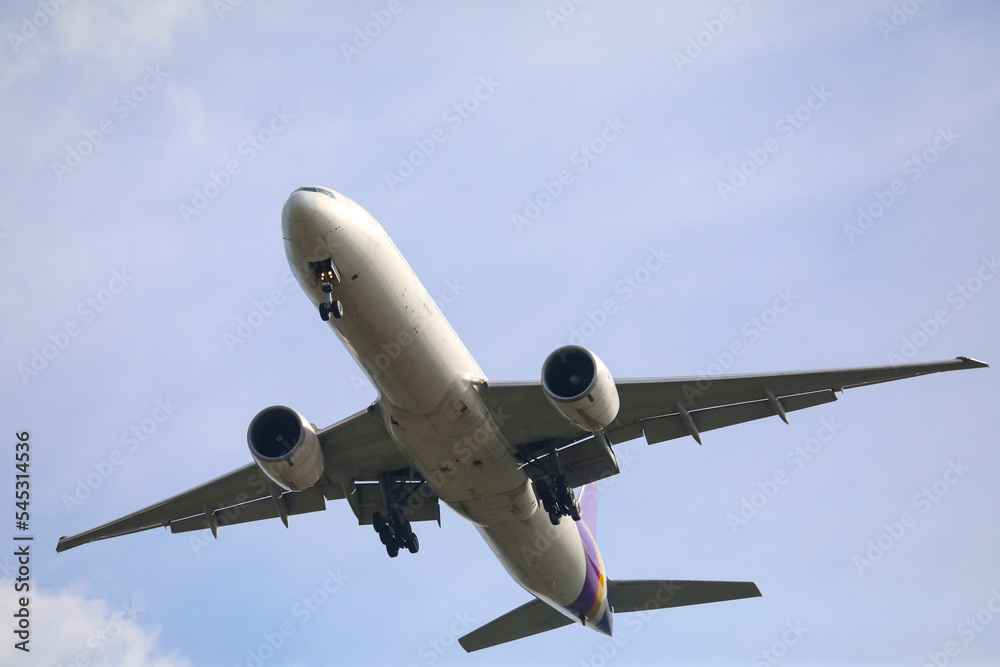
665, 408
356, 450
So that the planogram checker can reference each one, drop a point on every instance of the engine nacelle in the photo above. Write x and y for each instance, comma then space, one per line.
580, 387
286, 448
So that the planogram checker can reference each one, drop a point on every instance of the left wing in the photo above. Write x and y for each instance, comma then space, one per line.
665, 408
356, 449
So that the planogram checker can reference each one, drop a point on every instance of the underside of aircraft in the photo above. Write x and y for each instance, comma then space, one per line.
507, 456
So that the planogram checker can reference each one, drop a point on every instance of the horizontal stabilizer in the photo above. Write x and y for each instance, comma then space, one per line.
639, 595
528, 619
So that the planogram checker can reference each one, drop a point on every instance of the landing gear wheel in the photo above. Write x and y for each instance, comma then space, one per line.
324, 311
392, 549
336, 309
574, 511
554, 518
378, 521
414, 544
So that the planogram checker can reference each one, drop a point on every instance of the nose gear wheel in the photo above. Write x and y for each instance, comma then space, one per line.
327, 276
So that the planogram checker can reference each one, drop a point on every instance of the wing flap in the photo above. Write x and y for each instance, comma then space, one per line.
301, 502
529, 619
668, 427
419, 502
643, 594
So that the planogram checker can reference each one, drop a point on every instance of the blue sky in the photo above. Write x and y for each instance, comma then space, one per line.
744, 139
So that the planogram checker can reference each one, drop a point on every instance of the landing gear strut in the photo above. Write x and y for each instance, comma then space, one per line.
557, 498
326, 274
394, 530
555, 494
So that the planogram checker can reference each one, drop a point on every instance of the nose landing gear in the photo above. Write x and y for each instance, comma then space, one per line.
326, 274
333, 307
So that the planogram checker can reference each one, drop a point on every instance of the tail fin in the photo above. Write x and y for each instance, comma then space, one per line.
588, 507
639, 595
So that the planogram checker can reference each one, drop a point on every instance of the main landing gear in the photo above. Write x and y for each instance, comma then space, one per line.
394, 530
326, 274
553, 491
557, 498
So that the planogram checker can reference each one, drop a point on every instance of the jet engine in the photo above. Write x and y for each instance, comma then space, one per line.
286, 448
580, 387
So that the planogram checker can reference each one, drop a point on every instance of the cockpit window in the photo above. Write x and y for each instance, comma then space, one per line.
311, 188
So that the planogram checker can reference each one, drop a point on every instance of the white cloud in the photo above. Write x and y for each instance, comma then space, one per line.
116, 31
68, 624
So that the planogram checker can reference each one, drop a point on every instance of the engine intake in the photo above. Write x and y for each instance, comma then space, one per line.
286, 448
580, 387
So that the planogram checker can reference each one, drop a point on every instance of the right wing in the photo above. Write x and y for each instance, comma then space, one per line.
661, 409
356, 450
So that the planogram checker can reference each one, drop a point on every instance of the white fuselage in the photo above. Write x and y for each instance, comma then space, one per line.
428, 392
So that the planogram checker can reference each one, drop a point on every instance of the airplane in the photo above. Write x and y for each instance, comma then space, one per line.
506, 456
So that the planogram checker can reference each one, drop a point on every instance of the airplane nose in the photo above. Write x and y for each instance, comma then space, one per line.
300, 206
